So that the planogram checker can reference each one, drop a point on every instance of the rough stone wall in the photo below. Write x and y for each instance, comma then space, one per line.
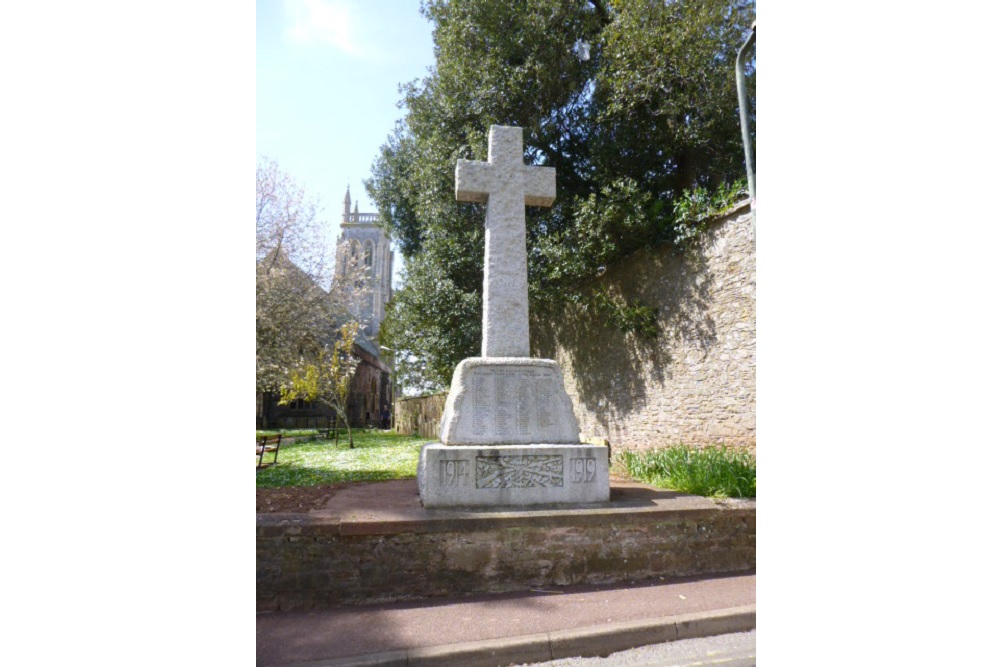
305, 563
696, 382
420, 415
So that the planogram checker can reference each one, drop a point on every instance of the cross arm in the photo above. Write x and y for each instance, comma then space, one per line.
539, 186
472, 181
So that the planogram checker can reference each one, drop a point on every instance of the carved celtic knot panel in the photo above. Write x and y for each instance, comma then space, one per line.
501, 472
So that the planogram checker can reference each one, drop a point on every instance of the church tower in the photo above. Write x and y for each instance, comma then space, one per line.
360, 237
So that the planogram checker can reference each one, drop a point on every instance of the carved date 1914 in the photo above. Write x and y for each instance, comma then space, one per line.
454, 472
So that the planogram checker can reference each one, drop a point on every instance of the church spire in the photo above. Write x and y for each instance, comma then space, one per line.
347, 204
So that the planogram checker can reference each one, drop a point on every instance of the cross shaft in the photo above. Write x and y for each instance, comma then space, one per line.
505, 184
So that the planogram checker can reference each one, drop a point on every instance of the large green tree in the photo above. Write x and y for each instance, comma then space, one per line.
632, 101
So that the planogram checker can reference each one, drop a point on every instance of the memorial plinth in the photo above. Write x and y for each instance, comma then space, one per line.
509, 437
508, 432
514, 475
508, 401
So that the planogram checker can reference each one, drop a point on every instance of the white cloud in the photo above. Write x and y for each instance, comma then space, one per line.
322, 21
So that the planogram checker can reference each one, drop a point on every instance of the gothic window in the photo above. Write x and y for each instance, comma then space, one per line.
368, 254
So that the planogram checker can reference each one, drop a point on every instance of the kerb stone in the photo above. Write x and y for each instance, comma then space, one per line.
512, 475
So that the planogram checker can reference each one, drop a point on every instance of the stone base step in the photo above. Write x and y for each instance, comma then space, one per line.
512, 475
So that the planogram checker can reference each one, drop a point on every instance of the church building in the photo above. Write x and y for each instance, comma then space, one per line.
361, 239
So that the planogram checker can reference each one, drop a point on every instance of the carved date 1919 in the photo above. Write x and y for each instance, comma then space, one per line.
583, 470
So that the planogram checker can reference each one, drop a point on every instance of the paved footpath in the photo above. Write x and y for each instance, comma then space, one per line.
738, 649
545, 624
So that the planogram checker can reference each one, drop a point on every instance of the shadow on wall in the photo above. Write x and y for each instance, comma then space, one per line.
615, 370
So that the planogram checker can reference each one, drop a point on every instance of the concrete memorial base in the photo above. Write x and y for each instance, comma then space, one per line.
508, 401
512, 475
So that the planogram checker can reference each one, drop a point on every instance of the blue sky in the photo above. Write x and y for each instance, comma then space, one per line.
328, 75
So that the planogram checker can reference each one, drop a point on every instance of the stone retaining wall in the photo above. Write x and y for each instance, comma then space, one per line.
306, 562
696, 382
421, 415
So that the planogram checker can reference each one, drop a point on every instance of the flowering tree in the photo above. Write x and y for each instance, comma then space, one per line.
326, 376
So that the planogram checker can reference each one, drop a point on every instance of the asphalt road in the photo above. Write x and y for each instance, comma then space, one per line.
734, 650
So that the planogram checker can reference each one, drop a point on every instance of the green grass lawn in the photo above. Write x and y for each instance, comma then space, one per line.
377, 456
723, 472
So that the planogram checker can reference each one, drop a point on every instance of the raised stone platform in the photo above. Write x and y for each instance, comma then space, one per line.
512, 475
376, 542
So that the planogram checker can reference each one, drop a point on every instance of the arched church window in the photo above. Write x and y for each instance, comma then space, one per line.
368, 254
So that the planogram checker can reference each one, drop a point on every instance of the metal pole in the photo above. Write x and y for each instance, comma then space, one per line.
741, 92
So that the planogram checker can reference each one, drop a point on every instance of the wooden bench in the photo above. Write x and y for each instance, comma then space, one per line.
266, 444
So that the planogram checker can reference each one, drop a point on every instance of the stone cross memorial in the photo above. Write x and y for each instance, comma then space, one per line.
508, 432
505, 185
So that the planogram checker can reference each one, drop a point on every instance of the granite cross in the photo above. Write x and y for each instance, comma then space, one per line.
505, 184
